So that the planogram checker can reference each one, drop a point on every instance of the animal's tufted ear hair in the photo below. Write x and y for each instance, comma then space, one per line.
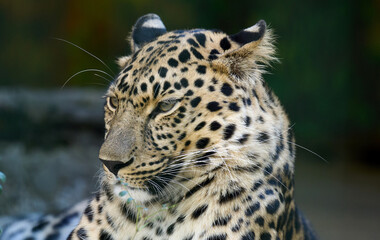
122, 61
251, 49
146, 29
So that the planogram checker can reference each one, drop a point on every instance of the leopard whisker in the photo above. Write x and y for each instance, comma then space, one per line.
300, 146
157, 188
98, 84
173, 181
92, 55
108, 80
86, 70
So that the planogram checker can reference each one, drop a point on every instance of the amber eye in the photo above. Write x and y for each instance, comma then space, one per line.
113, 102
166, 106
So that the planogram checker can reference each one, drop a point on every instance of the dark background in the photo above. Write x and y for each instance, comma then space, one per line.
328, 80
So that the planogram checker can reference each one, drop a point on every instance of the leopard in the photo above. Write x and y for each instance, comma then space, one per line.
196, 145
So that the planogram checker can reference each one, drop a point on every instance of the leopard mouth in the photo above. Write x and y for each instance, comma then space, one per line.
157, 184
154, 185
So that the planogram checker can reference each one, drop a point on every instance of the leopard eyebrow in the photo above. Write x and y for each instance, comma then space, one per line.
173, 99
109, 94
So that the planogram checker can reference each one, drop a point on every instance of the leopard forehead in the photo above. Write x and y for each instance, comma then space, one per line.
169, 57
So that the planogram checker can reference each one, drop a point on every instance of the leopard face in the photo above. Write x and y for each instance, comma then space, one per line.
183, 104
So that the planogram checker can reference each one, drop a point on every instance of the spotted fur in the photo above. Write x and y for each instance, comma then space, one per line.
192, 126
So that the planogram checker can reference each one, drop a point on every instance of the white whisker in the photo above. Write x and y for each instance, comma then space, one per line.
92, 55
86, 70
109, 81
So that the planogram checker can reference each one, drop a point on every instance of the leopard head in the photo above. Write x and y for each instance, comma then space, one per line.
187, 104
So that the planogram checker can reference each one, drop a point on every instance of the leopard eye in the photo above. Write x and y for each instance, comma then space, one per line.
113, 102
166, 106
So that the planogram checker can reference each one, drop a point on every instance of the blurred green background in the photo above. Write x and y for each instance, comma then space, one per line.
328, 80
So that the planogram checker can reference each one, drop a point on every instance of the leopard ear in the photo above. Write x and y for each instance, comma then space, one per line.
253, 34
250, 51
146, 29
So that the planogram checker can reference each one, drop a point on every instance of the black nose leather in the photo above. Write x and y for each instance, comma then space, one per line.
114, 166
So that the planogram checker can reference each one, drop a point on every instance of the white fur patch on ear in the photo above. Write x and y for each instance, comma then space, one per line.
122, 61
146, 29
252, 34
256, 28
153, 23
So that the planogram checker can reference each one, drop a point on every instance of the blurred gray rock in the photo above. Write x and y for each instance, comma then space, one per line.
49, 142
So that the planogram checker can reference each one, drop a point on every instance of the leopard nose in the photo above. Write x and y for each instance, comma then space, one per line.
114, 166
